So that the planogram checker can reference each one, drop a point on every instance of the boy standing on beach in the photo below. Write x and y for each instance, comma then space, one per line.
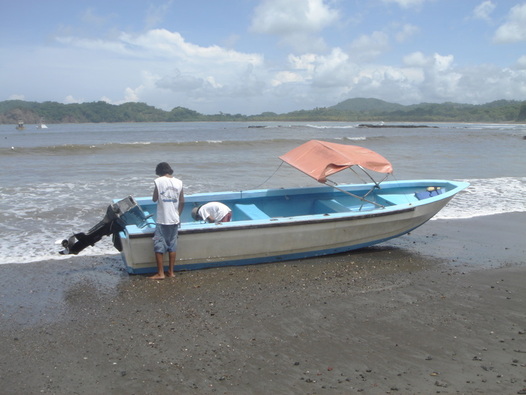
168, 194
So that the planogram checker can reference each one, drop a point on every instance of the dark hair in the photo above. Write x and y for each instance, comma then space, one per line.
163, 168
195, 213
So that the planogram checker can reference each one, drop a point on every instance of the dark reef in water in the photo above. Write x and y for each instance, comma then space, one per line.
374, 125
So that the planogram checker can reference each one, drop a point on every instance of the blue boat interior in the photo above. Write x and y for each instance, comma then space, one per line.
268, 204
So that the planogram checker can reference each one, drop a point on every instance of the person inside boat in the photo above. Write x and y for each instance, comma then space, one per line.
168, 193
212, 212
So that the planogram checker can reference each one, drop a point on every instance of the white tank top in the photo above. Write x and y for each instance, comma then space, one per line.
169, 189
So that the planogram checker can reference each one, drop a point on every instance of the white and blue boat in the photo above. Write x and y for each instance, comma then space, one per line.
273, 225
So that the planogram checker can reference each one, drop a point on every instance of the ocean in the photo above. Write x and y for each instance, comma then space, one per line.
58, 181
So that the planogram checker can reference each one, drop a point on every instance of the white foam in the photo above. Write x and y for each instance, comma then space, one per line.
357, 138
331, 126
487, 197
35, 218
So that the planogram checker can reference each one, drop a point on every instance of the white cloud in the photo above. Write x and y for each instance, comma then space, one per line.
211, 79
331, 78
514, 29
336, 77
70, 100
406, 32
131, 95
487, 81
303, 62
406, 3
160, 59
483, 10
107, 100
331, 70
429, 78
161, 44
521, 62
334, 70
369, 47
437, 62
182, 82
282, 17
295, 22
16, 96
147, 83
442, 63
417, 59
284, 77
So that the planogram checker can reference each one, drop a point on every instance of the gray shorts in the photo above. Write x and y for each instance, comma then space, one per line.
165, 238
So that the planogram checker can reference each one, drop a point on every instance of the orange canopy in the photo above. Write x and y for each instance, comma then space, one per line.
320, 159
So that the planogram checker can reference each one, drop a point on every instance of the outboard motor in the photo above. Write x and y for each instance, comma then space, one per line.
118, 215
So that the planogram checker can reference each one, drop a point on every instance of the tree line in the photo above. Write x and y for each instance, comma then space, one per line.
351, 110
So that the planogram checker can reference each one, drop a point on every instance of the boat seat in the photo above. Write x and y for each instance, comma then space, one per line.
136, 216
149, 218
395, 198
330, 206
147, 226
251, 211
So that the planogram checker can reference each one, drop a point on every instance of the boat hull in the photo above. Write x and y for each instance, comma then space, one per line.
275, 238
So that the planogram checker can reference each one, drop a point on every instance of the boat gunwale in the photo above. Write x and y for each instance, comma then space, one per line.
320, 189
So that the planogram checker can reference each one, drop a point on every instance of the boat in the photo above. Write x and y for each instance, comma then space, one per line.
274, 225
41, 125
20, 125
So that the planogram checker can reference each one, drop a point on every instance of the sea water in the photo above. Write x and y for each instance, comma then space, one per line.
58, 181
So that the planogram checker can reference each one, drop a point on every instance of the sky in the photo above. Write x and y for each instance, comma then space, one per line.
253, 56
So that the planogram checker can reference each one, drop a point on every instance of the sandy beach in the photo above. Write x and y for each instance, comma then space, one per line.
441, 310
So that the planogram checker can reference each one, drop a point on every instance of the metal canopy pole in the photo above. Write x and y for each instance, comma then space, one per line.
353, 195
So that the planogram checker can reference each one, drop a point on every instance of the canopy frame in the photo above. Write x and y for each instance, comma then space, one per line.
319, 159
334, 185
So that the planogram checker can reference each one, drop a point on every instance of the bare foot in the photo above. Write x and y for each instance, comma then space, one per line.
170, 274
158, 277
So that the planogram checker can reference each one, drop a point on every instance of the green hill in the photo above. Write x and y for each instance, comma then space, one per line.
350, 110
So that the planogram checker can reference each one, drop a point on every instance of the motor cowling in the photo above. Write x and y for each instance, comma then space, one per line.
118, 215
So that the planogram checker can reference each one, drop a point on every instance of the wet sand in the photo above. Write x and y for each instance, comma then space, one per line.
441, 310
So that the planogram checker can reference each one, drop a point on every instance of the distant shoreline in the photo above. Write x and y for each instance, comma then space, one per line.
351, 110
255, 125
